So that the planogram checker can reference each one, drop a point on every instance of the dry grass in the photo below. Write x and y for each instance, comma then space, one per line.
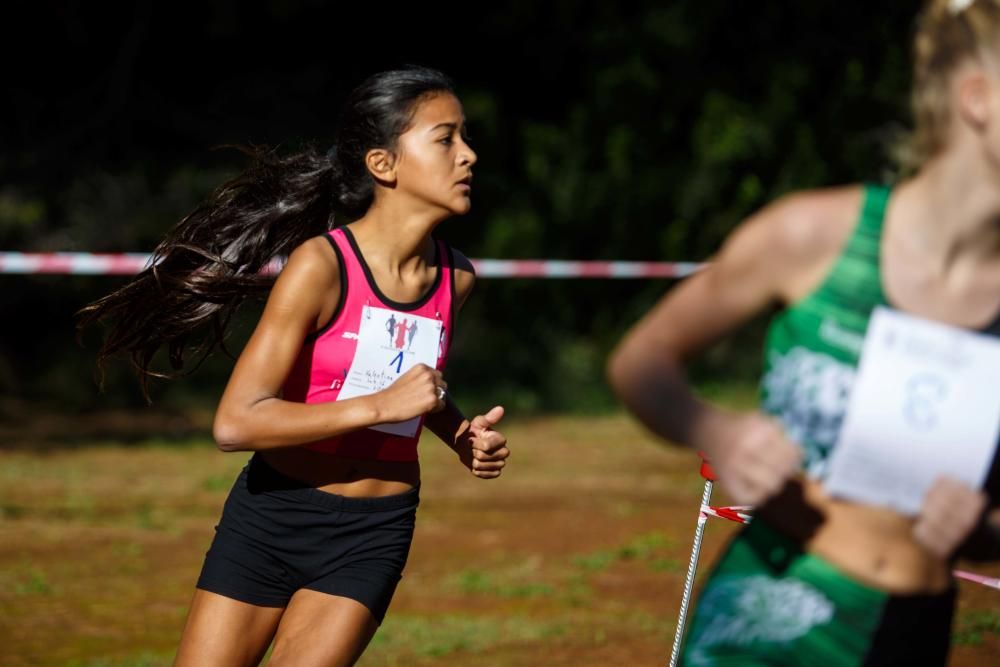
574, 557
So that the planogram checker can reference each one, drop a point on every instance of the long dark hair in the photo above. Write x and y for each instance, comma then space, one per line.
214, 258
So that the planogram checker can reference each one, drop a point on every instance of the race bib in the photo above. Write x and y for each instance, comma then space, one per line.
389, 344
925, 403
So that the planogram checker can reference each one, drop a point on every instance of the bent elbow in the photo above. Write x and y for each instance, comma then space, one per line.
228, 435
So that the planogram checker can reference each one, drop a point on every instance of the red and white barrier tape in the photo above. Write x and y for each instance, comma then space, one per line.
992, 582
551, 268
738, 513
83, 263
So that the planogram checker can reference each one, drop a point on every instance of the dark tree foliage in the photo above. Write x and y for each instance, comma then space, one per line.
639, 130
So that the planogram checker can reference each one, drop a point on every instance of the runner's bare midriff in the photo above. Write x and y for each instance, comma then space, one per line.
873, 545
354, 478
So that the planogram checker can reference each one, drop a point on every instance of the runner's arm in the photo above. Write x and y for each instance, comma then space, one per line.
480, 448
252, 416
448, 424
743, 280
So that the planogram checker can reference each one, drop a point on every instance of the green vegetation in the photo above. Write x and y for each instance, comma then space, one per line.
644, 132
973, 625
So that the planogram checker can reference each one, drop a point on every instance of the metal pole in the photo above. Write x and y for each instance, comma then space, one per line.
706, 497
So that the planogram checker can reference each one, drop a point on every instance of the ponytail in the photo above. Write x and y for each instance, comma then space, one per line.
212, 260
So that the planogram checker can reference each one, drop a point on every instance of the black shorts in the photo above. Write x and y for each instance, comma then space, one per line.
914, 630
278, 535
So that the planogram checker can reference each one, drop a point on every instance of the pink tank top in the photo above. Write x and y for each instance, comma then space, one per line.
326, 357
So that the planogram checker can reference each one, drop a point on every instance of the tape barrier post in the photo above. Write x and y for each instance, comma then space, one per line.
692, 569
737, 513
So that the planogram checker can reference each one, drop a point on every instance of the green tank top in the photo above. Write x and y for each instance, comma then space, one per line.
812, 347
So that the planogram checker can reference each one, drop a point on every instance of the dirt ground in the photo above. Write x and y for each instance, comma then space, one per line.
575, 557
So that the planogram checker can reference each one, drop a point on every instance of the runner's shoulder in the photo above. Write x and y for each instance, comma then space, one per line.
813, 223
798, 229
314, 260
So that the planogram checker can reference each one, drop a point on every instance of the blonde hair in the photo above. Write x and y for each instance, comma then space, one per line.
948, 33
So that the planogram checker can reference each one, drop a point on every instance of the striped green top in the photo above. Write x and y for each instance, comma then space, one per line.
813, 347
